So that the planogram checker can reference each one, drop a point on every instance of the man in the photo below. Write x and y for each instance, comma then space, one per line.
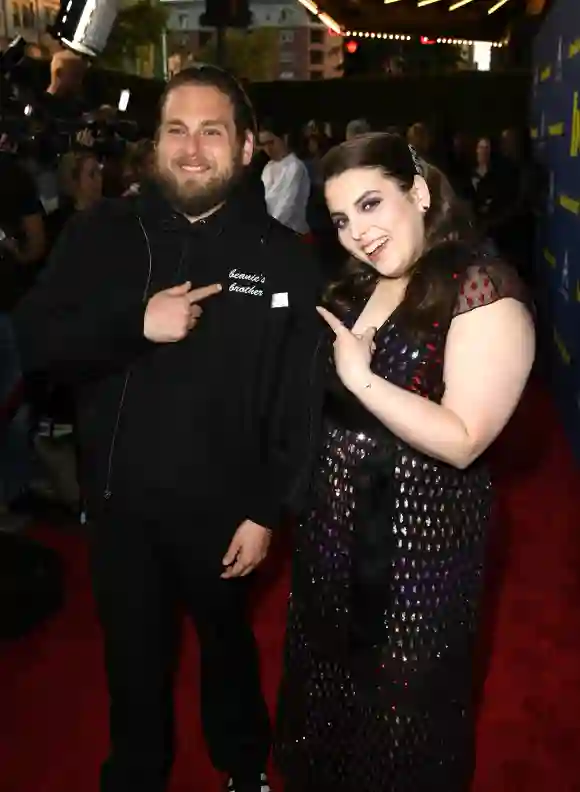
285, 178
189, 314
419, 136
356, 127
64, 95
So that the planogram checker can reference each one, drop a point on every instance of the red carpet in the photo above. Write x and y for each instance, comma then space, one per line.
53, 708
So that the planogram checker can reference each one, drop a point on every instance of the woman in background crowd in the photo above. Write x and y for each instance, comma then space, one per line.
80, 186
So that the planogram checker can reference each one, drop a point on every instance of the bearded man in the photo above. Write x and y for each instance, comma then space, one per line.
185, 318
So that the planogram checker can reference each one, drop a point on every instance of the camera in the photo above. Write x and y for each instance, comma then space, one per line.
83, 27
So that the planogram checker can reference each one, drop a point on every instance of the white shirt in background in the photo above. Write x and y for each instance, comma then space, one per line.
287, 187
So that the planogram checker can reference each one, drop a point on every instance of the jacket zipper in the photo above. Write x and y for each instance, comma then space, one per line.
107, 491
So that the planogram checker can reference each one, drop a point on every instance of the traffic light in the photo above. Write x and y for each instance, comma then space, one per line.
353, 58
226, 14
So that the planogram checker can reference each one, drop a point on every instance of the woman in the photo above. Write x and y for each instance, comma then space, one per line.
488, 182
433, 344
80, 186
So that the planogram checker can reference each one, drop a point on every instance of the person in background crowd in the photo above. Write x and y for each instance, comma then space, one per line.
285, 178
80, 186
22, 231
64, 96
139, 166
460, 165
184, 316
429, 347
483, 176
22, 245
528, 187
356, 127
315, 147
427, 143
419, 136
63, 100
495, 191
312, 128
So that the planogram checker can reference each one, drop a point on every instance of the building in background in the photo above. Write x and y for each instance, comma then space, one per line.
294, 45
28, 18
135, 45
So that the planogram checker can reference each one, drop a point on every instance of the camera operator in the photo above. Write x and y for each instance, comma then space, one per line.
64, 96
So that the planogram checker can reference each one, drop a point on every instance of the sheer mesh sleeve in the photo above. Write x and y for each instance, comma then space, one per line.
486, 282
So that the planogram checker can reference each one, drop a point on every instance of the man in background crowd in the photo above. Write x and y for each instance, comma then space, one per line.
356, 127
64, 96
285, 178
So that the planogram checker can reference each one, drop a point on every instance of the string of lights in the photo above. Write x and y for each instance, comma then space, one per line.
338, 29
404, 37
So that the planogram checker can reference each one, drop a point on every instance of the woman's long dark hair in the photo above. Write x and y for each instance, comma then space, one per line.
450, 236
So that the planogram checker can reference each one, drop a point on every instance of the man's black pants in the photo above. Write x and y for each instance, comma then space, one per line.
143, 571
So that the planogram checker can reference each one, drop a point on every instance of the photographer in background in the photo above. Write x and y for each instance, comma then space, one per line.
64, 96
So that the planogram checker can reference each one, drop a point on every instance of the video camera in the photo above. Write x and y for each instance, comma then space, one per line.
29, 121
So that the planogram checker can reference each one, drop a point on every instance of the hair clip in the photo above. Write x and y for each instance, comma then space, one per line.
416, 161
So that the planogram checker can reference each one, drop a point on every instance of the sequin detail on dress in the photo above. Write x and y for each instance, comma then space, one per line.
394, 716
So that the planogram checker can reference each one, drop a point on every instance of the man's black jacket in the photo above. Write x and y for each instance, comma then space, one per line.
248, 366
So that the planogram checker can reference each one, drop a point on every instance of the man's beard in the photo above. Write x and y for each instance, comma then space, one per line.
193, 198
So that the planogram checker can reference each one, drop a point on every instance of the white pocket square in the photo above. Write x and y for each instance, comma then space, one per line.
280, 300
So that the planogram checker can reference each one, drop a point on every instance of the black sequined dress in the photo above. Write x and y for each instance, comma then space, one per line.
377, 688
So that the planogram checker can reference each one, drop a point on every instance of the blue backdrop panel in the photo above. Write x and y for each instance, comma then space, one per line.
556, 133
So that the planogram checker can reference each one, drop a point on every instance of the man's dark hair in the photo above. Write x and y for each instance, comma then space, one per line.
208, 74
278, 128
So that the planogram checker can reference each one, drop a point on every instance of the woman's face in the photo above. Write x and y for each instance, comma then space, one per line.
483, 151
313, 146
90, 184
376, 221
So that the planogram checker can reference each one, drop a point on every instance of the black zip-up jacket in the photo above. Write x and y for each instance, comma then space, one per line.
224, 415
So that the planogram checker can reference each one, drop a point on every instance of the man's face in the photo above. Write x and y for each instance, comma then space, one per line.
272, 145
199, 155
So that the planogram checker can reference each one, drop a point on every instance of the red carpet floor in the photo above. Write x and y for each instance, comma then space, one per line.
53, 705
